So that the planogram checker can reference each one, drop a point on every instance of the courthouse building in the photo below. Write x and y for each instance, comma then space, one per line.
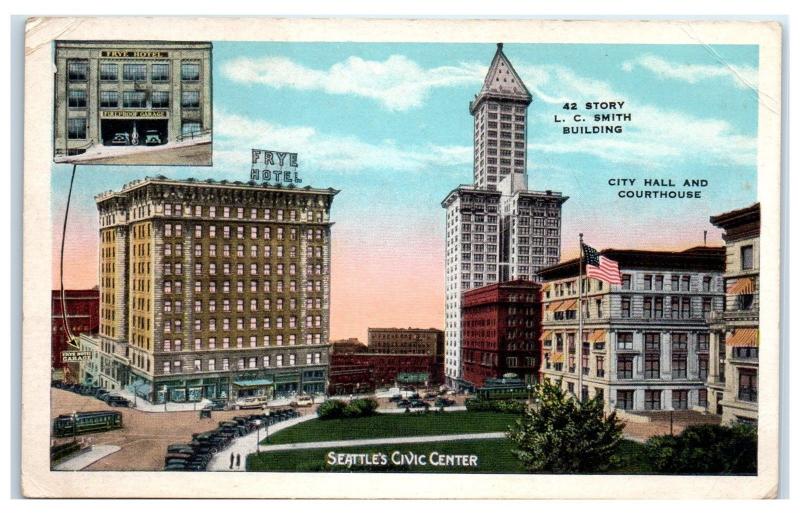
645, 343
496, 228
209, 288
733, 378
105, 88
501, 332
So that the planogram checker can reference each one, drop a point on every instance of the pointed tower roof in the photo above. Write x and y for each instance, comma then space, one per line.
502, 82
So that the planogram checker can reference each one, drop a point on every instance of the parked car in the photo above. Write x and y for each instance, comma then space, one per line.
444, 402
115, 400
404, 403
419, 404
121, 139
152, 137
218, 405
303, 400
396, 398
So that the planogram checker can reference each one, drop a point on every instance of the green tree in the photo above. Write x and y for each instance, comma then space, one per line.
560, 434
706, 449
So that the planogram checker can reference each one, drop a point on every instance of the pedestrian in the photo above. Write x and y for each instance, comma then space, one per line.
238, 460
232, 457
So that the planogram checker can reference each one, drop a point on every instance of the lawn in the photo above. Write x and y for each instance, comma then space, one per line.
493, 456
394, 425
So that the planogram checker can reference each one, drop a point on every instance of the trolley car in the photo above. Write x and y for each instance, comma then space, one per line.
85, 422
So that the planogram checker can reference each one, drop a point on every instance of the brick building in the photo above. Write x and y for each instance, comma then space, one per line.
427, 341
500, 334
207, 287
83, 316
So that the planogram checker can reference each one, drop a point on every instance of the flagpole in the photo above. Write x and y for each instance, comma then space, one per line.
579, 365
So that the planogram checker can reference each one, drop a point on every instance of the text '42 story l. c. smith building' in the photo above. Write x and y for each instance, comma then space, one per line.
212, 290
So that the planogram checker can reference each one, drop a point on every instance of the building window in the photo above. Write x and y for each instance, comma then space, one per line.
679, 355
77, 71
160, 99
625, 399
76, 98
626, 307
190, 128
190, 99
747, 257
159, 72
625, 340
212, 365
109, 99
109, 72
134, 99
624, 366
135, 72
702, 366
626, 282
652, 356
601, 366
190, 71
652, 400
680, 399
748, 385
76, 128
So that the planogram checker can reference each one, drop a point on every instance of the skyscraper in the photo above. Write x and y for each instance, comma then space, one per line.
496, 229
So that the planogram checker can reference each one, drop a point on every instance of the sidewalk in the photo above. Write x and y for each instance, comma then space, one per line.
247, 444
145, 406
86, 459
454, 408
386, 440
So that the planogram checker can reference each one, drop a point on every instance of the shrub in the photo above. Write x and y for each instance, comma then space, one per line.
564, 435
706, 449
331, 409
506, 406
337, 409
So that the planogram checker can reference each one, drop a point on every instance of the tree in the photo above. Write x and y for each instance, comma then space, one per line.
706, 449
563, 435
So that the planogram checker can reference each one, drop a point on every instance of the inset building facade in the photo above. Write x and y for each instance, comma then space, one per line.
733, 378
104, 89
82, 313
645, 344
210, 287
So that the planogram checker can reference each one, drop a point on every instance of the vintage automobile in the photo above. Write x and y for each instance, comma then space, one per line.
152, 137
121, 139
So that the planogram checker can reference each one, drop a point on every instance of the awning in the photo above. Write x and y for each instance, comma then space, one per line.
568, 305
253, 383
558, 357
546, 335
598, 336
747, 337
554, 306
546, 287
742, 286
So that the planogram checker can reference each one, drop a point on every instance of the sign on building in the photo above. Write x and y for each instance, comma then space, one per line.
75, 356
273, 166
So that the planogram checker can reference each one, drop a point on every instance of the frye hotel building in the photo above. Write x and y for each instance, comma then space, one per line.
210, 289
104, 88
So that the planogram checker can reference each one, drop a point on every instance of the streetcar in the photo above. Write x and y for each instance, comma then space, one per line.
84, 422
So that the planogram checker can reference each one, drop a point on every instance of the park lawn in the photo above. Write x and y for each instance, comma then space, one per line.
494, 456
394, 425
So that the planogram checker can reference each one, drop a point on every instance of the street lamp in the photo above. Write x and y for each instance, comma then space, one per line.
258, 436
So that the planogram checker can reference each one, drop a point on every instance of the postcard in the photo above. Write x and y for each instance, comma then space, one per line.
372, 258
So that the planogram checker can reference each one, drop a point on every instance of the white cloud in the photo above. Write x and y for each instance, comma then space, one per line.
740, 76
326, 151
398, 83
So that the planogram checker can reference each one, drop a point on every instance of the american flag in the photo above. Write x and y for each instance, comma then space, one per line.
599, 267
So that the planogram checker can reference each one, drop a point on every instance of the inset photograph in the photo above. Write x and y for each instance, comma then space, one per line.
133, 102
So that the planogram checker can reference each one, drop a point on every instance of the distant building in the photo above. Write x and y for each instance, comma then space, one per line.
496, 228
733, 377
83, 316
426, 341
645, 343
500, 334
213, 289
394, 356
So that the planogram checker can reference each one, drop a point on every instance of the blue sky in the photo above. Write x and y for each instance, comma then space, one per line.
388, 124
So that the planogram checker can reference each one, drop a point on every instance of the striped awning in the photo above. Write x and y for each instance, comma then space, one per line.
546, 335
747, 337
595, 336
546, 287
568, 305
742, 286
554, 306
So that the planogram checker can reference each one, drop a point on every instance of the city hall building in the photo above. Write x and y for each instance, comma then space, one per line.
646, 343
496, 228
104, 89
212, 290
